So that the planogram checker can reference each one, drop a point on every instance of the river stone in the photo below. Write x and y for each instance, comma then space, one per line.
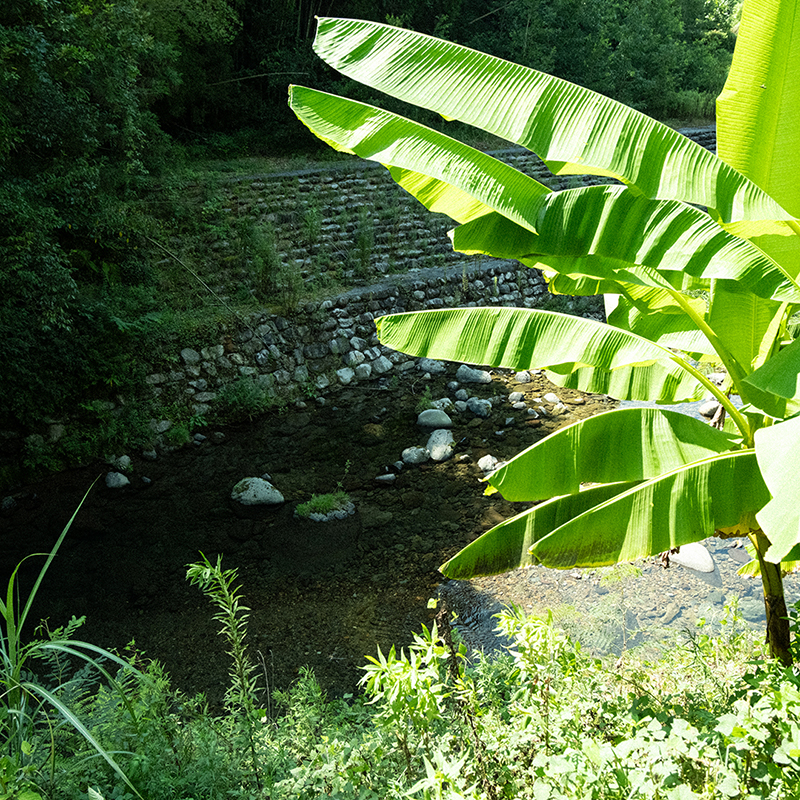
708, 409
693, 556
381, 365
429, 365
434, 418
462, 394
440, 444
523, 377
480, 408
345, 375
256, 492
415, 455
467, 374
515, 397
551, 397
116, 480
190, 356
443, 404
487, 463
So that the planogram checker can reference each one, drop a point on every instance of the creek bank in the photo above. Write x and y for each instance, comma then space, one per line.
323, 595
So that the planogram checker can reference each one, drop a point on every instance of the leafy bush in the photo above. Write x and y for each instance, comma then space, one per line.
701, 717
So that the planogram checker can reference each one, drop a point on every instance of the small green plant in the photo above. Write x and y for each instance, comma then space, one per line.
323, 503
425, 401
244, 399
31, 712
178, 435
242, 696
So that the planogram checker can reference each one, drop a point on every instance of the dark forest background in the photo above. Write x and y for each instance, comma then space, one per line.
104, 104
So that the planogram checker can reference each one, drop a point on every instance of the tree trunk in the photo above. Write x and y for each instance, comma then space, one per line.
774, 602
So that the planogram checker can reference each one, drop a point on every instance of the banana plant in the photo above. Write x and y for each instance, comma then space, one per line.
697, 256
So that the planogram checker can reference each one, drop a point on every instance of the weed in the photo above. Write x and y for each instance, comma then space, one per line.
425, 401
324, 503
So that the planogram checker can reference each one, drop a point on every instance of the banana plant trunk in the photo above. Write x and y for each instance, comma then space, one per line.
774, 602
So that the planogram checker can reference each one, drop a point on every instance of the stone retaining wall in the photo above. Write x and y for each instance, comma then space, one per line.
333, 343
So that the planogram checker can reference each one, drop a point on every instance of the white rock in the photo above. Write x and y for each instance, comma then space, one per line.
434, 418
551, 397
467, 374
523, 377
256, 492
487, 463
462, 394
461, 406
693, 556
440, 444
443, 404
515, 397
415, 455
116, 480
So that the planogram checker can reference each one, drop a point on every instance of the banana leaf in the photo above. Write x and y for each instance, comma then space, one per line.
506, 546
574, 130
679, 507
649, 443
778, 454
519, 338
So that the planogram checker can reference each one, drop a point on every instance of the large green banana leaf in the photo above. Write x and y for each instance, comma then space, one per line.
758, 112
746, 324
507, 545
609, 232
657, 382
657, 315
519, 338
574, 130
683, 506
775, 387
778, 454
445, 175
648, 443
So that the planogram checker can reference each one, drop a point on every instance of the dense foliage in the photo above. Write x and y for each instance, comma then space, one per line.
94, 96
697, 716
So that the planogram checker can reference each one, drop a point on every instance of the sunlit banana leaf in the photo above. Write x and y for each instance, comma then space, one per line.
683, 506
658, 382
778, 453
506, 546
445, 175
647, 442
574, 130
519, 338
745, 323
608, 232
673, 330
775, 387
758, 112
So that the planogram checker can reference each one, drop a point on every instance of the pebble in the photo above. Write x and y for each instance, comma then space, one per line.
693, 556
523, 377
386, 480
552, 398
515, 397
415, 455
256, 492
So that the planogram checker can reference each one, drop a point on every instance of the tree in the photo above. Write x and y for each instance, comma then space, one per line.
686, 288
